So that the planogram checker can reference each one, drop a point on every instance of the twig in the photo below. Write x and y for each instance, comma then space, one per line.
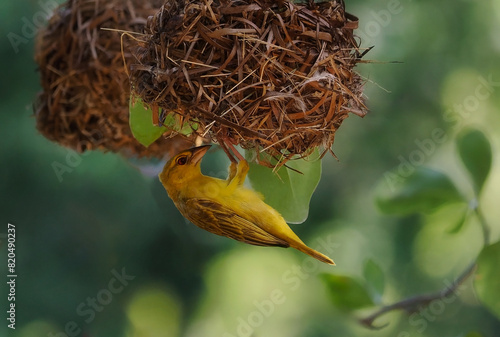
413, 304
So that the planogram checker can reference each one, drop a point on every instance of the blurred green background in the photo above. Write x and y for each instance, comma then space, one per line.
105, 218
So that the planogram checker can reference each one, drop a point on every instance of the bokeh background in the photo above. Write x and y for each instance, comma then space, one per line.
106, 217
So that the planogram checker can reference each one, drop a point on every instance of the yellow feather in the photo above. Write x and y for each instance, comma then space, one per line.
226, 207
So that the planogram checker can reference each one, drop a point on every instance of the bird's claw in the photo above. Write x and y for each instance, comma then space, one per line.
237, 173
232, 171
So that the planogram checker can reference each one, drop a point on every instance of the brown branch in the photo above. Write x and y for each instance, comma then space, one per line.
413, 304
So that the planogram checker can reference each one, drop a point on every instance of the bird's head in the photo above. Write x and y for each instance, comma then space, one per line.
183, 167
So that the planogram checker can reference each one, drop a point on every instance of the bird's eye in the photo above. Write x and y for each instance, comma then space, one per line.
181, 160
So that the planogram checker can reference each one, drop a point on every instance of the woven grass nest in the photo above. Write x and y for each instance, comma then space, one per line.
272, 75
85, 99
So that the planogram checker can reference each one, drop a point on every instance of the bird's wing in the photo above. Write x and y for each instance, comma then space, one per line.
221, 220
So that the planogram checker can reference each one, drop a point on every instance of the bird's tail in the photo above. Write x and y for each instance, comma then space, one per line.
311, 252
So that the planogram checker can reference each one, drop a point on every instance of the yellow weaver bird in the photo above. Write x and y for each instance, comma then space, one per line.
226, 207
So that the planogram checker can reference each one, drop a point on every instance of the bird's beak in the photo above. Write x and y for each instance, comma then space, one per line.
198, 153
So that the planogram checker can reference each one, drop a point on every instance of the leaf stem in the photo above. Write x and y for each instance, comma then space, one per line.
484, 225
415, 303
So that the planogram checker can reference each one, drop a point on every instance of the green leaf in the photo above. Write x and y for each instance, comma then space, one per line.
174, 124
375, 278
423, 191
346, 293
464, 213
285, 190
141, 123
475, 151
487, 278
